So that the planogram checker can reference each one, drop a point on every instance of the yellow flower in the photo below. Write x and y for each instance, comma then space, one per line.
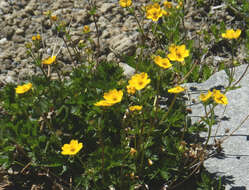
154, 12
86, 29
72, 148
38, 37
49, 60
167, 4
150, 162
231, 34
162, 62
132, 175
139, 81
53, 17
178, 53
180, 4
131, 89
33, 38
176, 90
110, 98
136, 107
133, 151
103, 103
219, 97
205, 97
23, 88
113, 96
125, 3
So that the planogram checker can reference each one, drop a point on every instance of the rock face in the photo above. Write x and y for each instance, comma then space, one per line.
232, 163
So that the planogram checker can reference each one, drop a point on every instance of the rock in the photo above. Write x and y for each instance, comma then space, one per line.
3, 4
105, 7
232, 164
8, 32
66, 58
122, 44
4, 7
31, 7
8, 79
25, 73
54, 76
18, 39
81, 17
105, 34
102, 22
7, 63
111, 57
20, 31
11, 73
3, 41
128, 70
75, 39
67, 69
25, 23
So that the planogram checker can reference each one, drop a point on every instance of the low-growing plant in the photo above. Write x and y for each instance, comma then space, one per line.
96, 129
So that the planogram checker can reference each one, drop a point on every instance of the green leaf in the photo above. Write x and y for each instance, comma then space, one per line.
165, 175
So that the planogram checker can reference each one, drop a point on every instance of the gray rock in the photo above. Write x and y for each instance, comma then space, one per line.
233, 165
111, 57
8, 32
122, 44
8, 79
128, 70
18, 39
25, 23
11, 73
105, 34
4, 6
3, 41
20, 31
31, 6
24, 73
105, 7
102, 22
81, 16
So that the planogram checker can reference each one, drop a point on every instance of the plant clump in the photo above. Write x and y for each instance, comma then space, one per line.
137, 133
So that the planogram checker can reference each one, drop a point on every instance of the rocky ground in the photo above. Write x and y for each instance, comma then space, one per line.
21, 19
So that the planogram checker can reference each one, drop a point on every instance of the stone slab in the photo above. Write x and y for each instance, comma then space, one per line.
233, 164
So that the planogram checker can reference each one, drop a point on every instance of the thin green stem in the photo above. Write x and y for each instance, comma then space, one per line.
68, 48
102, 148
39, 64
210, 123
80, 160
170, 108
97, 29
138, 23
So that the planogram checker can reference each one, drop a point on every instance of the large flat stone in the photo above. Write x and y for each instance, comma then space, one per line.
233, 163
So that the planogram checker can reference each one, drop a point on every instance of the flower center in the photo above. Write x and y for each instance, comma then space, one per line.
178, 54
155, 14
140, 83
